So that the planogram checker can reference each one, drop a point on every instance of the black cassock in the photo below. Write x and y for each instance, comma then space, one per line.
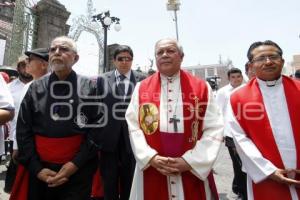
58, 109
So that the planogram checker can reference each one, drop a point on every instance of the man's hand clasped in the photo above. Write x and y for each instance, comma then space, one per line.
54, 179
169, 166
286, 176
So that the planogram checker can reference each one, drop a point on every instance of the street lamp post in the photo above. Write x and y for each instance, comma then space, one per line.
106, 20
173, 5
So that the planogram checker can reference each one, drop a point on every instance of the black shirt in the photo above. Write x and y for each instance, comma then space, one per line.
57, 109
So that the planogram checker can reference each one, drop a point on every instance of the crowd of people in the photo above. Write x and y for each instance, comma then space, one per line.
127, 136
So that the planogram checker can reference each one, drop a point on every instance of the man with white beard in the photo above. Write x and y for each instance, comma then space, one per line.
51, 132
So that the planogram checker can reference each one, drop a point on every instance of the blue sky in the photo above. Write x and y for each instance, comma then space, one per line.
207, 28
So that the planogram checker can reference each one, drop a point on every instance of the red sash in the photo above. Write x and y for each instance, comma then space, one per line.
52, 150
97, 188
249, 98
149, 92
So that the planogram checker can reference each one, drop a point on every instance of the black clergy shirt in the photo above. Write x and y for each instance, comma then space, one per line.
50, 109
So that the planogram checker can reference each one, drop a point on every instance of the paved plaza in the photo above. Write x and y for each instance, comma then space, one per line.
223, 177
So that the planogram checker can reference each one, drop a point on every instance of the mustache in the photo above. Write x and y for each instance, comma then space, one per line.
25, 76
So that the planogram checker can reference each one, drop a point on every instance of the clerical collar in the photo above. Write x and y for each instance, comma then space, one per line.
170, 78
270, 83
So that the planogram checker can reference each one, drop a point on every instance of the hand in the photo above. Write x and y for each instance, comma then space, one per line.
14, 156
295, 172
45, 173
160, 163
63, 175
280, 176
180, 164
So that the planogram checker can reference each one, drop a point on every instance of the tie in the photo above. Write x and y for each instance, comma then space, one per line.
121, 85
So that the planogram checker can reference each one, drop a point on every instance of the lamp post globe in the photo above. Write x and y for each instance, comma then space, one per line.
117, 27
107, 21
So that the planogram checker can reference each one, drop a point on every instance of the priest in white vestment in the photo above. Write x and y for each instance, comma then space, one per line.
264, 120
175, 130
235, 78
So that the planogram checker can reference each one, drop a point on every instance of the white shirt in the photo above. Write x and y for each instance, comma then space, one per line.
6, 100
258, 168
16, 88
222, 99
22, 95
223, 96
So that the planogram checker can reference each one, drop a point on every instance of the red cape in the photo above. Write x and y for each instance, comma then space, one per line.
249, 98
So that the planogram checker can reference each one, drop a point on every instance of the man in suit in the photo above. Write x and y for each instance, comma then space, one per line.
114, 90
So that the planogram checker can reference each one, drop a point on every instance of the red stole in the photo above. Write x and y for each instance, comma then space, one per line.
52, 150
155, 184
249, 98
97, 187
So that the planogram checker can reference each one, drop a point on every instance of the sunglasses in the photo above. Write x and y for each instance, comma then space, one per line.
127, 59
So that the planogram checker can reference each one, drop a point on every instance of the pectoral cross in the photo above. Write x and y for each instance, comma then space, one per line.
174, 120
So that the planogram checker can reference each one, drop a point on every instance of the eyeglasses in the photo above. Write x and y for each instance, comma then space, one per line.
127, 59
62, 49
263, 59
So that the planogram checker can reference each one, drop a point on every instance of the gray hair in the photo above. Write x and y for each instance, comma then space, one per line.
68, 40
175, 41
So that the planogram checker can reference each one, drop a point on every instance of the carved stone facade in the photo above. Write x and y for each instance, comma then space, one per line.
6, 18
51, 21
6, 10
50, 18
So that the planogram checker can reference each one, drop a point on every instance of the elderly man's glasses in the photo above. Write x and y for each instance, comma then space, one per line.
263, 59
127, 59
62, 49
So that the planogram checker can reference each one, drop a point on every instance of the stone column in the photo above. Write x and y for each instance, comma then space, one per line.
51, 21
